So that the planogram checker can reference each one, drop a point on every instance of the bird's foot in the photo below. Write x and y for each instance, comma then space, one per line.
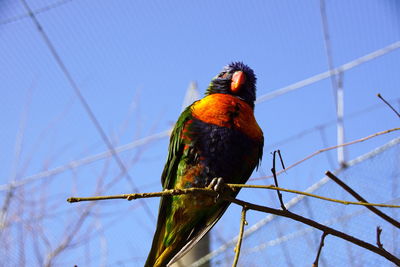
218, 185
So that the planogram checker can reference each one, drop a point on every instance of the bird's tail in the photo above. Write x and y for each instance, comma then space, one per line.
161, 254
157, 248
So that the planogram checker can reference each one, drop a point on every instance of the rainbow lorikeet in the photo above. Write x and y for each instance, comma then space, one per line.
215, 137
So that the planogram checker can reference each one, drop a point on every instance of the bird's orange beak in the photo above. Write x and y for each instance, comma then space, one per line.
238, 78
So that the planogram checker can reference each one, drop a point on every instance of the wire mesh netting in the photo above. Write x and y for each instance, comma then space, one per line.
132, 61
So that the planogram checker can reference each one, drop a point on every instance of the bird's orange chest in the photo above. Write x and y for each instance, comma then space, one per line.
227, 111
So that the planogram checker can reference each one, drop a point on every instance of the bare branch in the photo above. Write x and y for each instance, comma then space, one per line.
360, 198
247, 205
273, 170
344, 202
173, 192
390, 106
328, 230
243, 222
280, 157
321, 244
378, 237
68, 238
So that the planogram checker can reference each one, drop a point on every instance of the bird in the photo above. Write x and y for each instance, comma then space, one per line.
216, 140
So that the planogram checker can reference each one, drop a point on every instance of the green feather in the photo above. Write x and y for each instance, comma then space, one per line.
168, 179
175, 150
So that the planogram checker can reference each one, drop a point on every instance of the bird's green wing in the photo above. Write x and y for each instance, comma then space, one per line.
168, 178
175, 150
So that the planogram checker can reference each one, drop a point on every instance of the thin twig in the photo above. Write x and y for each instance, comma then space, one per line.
378, 237
321, 244
387, 103
173, 192
170, 192
243, 222
280, 157
327, 149
273, 170
344, 202
360, 198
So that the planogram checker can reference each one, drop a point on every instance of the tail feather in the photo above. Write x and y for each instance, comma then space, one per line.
157, 247
161, 255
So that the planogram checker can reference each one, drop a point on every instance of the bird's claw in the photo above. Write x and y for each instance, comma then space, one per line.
218, 185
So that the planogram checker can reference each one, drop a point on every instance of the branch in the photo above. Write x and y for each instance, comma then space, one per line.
321, 244
208, 191
247, 205
326, 229
329, 148
280, 157
344, 202
273, 170
360, 198
170, 192
378, 237
243, 222
387, 103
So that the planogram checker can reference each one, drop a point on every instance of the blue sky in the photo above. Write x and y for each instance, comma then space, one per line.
133, 61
